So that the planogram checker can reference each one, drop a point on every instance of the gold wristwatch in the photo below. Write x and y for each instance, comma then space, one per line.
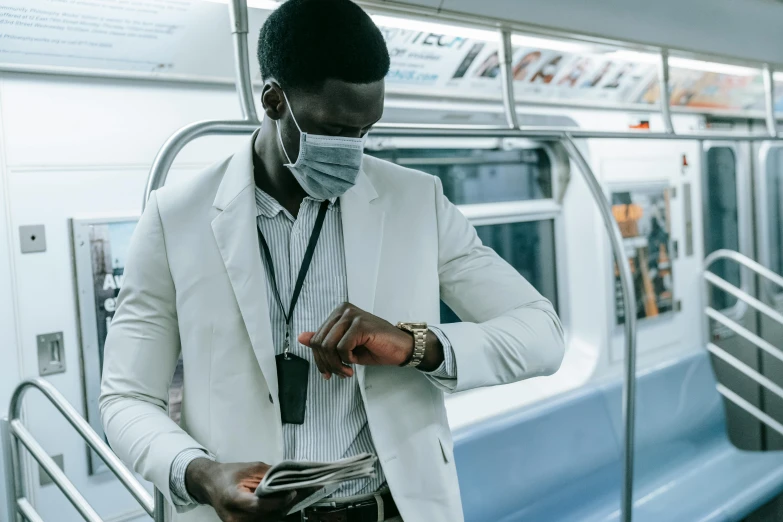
419, 331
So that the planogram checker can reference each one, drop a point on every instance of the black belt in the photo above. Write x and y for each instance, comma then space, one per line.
361, 511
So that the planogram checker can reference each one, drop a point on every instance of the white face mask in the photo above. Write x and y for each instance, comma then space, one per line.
327, 166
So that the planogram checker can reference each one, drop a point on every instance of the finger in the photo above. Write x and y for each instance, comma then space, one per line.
320, 362
315, 340
327, 325
352, 338
329, 349
278, 503
325, 363
305, 338
242, 502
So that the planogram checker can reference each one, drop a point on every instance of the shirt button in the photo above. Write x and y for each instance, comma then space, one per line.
270, 399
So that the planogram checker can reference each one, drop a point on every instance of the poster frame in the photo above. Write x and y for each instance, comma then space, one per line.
86, 324
648, 186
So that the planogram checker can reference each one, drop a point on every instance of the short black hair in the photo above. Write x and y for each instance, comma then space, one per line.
305, 42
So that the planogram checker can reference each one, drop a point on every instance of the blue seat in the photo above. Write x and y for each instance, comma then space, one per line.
559, 460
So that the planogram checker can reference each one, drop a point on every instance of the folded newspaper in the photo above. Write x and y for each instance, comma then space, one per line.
325, 476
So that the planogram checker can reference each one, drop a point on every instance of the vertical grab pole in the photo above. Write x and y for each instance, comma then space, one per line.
769, 95
237, 12
507, 79
663, 87
629, 300
159, 511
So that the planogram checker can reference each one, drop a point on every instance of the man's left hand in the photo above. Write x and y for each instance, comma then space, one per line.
352, 336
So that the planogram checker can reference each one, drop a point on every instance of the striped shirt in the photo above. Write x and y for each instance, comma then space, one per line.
335, 419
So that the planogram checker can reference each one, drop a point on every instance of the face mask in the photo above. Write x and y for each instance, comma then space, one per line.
327, 166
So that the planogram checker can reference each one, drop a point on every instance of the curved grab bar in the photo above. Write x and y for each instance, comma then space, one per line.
745, 261
73, 495
711, 279
166, 155
86, 432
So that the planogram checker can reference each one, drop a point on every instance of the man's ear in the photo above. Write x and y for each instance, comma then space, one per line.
272, 100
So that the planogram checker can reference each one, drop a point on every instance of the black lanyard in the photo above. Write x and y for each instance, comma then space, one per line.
308, 258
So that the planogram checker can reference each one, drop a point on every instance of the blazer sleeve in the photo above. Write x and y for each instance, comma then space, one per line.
140, 356
509, 331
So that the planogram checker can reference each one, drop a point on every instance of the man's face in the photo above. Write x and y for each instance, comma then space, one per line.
339, 108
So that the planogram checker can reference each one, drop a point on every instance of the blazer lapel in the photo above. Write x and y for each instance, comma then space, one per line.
237, 239
362, 235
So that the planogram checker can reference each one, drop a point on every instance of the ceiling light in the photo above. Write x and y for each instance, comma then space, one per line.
684, 63
429, 27
270, 5
722, 68
634, 56
545, 43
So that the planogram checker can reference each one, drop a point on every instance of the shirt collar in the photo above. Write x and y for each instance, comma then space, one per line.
268, 206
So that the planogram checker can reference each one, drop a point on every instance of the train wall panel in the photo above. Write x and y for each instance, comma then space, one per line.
76, 149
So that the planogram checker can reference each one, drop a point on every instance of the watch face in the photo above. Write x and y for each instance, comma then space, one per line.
410, 327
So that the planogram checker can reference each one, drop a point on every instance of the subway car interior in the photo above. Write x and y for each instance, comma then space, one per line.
624, 157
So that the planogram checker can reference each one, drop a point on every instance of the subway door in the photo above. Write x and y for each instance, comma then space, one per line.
727, 218
769, 238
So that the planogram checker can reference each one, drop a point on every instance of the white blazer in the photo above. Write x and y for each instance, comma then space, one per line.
194, 283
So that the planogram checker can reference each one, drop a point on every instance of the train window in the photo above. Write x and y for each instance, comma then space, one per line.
529, 247
472, 176
721, 219
774, 190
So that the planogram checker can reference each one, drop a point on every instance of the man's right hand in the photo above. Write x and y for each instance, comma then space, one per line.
230, 490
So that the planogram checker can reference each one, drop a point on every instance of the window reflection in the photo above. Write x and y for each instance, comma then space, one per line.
529, 247
721, 220
480, 175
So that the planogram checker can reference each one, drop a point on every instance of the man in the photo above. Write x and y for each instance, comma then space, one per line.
280, 274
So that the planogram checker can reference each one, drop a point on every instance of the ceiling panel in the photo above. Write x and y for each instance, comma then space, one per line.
746, 30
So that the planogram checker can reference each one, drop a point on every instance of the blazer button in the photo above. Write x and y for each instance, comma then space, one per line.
270, 399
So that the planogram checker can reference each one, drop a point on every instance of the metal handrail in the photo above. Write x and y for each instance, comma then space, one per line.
769, 99
177, 142
238, 17
710, 278
506, 54
169, 151
161, 165
237, 12
424, 130
154, 507
629, 325
744, 260
663, 87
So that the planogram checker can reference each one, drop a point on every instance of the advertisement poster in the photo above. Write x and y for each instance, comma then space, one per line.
710, 90
136, 35
645, 223
100, 252
422, 58
465, 66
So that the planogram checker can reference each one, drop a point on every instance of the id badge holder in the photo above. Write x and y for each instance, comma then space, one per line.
292, 375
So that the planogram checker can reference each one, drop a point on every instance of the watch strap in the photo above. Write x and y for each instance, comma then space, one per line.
419, 332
